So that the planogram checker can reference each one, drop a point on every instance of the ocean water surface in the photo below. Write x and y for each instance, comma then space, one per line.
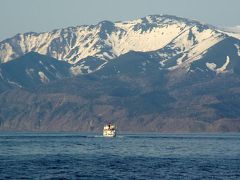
128, 156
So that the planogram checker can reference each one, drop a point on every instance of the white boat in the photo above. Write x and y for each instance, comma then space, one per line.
109, 130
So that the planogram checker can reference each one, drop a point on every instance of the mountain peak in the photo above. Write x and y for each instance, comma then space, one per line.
105, 23
168, 18
106, 27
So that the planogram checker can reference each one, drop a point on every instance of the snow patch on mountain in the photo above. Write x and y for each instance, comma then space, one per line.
150, 40
30, 72
190, 45
211, 66
80, 69
52, 66
1, 75
197, 51
14, 83
76, 70
238, 48
43, 77
223, 69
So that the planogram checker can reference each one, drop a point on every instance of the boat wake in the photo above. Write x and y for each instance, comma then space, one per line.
101, 136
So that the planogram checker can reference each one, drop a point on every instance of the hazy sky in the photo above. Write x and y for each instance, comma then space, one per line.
18, 16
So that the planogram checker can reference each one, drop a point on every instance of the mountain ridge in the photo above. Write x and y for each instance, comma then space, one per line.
67, 44
186, 79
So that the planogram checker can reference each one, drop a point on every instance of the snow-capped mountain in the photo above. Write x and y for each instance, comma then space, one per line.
169, 42
158, 73
108, 40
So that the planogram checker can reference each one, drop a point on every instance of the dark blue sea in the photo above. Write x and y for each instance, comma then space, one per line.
128, 156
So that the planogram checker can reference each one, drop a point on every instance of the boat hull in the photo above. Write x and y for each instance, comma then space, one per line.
109, 133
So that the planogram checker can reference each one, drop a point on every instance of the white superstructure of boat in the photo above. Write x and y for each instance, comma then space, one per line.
109, 130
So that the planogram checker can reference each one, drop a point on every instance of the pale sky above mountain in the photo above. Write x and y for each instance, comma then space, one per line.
44, 15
